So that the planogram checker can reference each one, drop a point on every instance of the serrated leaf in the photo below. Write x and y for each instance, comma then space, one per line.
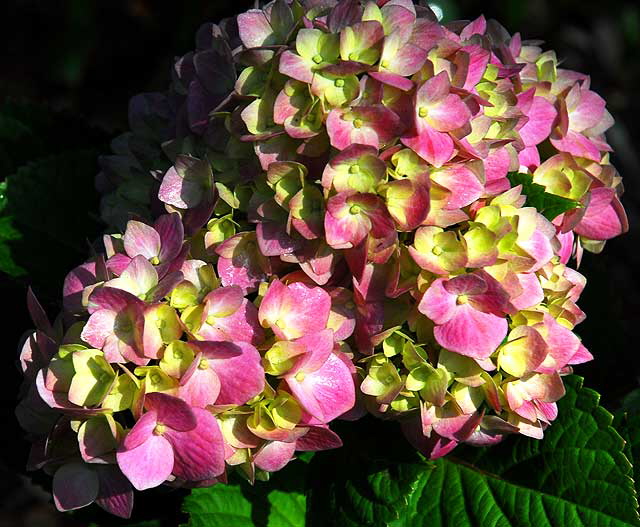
627, 422
577, 476
547, 204
279, 502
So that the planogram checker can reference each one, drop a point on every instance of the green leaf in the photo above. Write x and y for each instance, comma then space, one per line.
279, 502
547, 204
577, 476
627, 421
49, 218
8, 233
629, 427
30, 131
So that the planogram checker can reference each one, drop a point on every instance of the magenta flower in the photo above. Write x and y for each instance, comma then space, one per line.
161, 244
320, 380
241, 263
115, 325
357, 167
223, 374
469, 313
352, 216
582, 119
366, 125
227, 315
437, 112
294, 310
171, 438
604, 218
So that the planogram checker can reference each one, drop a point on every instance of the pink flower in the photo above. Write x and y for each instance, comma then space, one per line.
469, 313
171, 438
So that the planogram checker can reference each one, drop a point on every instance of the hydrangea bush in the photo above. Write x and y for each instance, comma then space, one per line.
336, 209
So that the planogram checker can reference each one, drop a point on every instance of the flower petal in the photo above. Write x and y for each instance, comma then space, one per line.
172, 411
471, 332
274, 455
327, 392
147, 465
75, 485
198, 453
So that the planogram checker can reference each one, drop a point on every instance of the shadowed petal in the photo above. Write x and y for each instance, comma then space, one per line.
171, 232
115, 495
318, 438
75, 485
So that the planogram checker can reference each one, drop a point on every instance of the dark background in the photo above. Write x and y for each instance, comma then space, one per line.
85, 59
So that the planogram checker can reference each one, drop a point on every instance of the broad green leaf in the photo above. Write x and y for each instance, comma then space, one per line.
547, 204
577, 476
279, 502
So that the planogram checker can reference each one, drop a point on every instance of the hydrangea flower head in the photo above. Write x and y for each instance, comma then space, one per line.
355, 209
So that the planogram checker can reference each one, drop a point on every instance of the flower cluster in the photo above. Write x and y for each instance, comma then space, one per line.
156, 372
367, 211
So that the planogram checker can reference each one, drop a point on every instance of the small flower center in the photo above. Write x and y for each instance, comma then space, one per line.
317, 58
357, 123
462, 299
300, 376
355, 209
353, 56
437, 250
280, 323
339, 83
177, 354
384, 63
422, 111
155, 260
203, 364
354, 169
159, 429
155, 378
